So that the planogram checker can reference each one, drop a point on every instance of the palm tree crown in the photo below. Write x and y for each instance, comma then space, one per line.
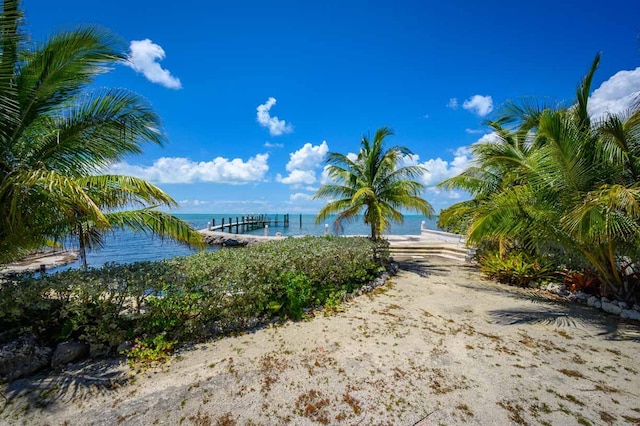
375, 181
57, 137
571, 186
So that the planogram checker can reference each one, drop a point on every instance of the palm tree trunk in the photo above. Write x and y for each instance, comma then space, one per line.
82, 247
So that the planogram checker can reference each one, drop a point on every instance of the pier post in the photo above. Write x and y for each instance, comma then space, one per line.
222, 226
423, 226
266, 230
300, 221
326, 229
208, 226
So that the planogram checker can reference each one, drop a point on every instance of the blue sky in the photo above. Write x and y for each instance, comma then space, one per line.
253, 94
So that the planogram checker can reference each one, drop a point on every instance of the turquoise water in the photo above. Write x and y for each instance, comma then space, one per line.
128, 246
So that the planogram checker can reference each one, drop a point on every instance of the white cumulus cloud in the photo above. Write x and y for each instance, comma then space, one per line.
183, 170
439, 169
481, 105
308, 157
615, 95
273, 145
298, 177
143, 58
300, 196
276, 126
303, 164
489, 137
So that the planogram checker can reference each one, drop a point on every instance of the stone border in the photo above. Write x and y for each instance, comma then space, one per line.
615, 307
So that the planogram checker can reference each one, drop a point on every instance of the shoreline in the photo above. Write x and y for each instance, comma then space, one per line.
37, 261
56, 258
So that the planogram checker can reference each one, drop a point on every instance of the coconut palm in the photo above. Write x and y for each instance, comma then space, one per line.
376, 181
57, 137
576, 188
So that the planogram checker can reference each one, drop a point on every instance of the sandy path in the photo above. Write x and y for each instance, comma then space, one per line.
440, 346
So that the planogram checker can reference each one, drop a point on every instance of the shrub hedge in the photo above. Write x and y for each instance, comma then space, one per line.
190, 297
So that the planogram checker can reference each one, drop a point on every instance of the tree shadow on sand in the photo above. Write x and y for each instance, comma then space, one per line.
549, 309
554, 311
45, 390
610, 327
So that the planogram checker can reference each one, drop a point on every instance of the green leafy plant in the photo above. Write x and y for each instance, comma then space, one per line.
150, 352
191, 298
515, 268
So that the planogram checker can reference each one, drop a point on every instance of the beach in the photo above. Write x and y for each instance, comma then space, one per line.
436, 345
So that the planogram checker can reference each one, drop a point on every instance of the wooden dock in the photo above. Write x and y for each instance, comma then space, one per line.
248, 223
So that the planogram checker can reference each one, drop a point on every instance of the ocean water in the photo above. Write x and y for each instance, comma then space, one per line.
129, 247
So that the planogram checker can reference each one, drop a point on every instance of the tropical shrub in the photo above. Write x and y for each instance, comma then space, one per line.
516, 268
186, 298
149, 352
586, 281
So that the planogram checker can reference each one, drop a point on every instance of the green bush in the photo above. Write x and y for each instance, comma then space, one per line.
188, 297
516, 268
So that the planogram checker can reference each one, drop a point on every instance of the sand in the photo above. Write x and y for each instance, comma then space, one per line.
34, 262
437, 345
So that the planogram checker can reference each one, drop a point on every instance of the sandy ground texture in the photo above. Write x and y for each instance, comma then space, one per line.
437, 345
33, 262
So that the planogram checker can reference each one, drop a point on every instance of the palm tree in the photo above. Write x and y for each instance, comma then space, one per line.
57, 137
376, 182
576, 187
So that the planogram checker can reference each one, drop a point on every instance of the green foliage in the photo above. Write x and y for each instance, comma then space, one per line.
58, 133
516, 268
187, 298
556, 181
298, 293
375, 182
149, 352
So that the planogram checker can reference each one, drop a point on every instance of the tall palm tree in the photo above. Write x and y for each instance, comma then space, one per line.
376, 182
577, 187
57, 137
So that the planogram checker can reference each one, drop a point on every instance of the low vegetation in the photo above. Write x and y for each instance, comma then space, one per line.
159, 304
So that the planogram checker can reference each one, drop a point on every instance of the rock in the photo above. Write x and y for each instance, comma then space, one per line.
581, 296
232, 242
605, 300
636, 307
553, 288
597, 304
623, 305
22, 357
591, 301
611, 308
97, 350
67, 352
630, 314
124, 346
558, 289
